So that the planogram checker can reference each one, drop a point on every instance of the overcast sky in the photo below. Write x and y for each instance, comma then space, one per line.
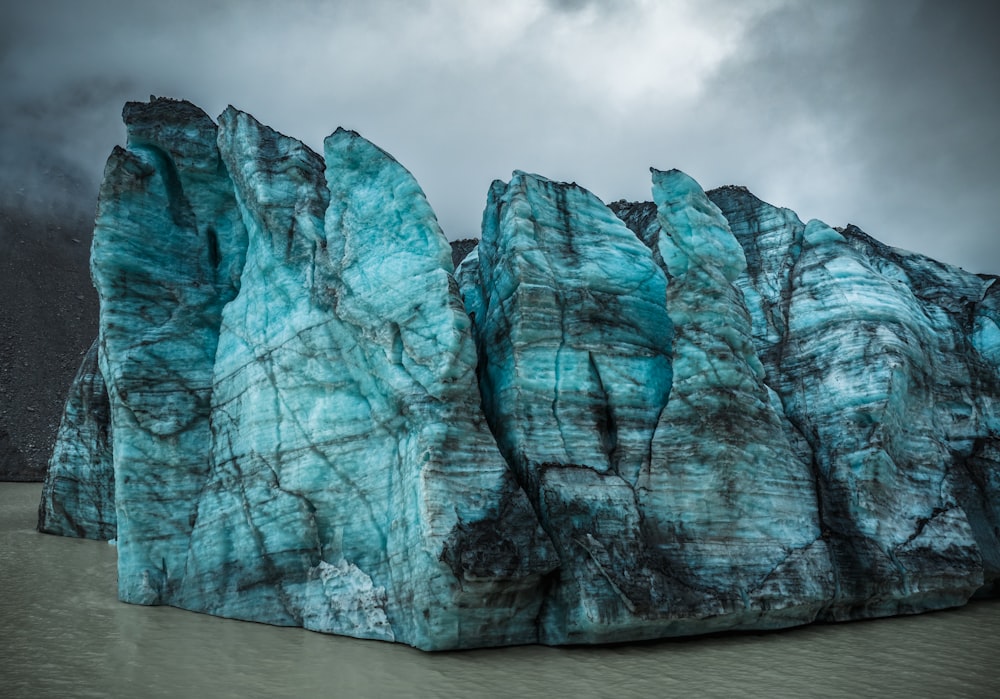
881, 113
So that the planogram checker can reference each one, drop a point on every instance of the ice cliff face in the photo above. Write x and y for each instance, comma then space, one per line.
698, 414
78, 497
352, 473
877, 360
574, 343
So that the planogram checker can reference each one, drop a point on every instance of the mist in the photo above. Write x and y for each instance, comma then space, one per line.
879, 114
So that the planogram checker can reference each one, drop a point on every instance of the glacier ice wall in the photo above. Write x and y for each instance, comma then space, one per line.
609, 423
353, 472
732, 505
574, 341
873, 352
78, 496
166, 231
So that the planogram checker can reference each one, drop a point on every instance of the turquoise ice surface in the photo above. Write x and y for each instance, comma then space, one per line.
608, 424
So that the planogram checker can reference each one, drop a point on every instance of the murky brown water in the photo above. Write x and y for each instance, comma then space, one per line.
64, 634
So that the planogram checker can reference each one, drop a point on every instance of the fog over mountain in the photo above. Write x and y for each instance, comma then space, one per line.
878, 114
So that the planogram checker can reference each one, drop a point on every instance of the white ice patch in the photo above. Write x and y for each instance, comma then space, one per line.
341, 598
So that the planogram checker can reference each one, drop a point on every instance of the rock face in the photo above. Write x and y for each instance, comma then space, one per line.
607, 424
47, 321
460, 249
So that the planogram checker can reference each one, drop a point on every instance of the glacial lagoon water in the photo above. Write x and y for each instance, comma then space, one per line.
64, 634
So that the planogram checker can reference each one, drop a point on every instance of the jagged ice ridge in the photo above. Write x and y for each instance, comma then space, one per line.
607, 424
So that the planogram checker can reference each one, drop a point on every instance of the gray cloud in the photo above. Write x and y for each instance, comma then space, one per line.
876, 113
888, 106
578, 5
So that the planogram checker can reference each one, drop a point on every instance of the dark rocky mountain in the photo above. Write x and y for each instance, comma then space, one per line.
48, 318
461, 248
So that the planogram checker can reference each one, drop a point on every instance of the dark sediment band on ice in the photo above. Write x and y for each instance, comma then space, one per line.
607, 424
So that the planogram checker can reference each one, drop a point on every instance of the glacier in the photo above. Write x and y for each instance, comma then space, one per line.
78, 495
607, 423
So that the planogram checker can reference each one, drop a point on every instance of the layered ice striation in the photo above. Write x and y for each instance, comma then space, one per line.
298, 431
574, 342
731, 506
78, 496
353, 474
875, 355
654, 419
165, 259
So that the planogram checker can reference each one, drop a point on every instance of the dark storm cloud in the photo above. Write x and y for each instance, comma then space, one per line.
891, 107
877, 113
67, 68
